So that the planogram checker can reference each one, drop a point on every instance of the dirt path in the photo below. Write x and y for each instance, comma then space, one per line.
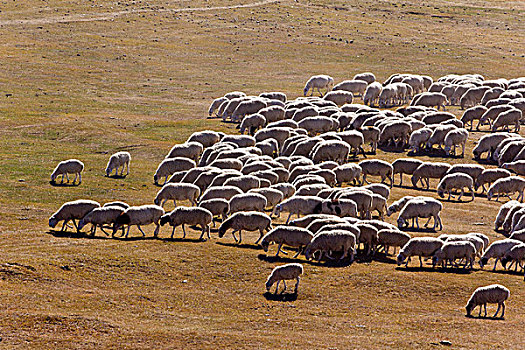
106, 16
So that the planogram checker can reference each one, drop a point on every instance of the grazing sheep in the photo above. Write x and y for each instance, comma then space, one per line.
497, 251
420, 247
478, 243
224, 192
248, 221
418, 138
363, 198
367, 236
287, 235
347, 173
451, 251
489, 143
99, 217
206, 138
405, 166
290, 271
420, 208
430, 99
398, 205
177, 191
227, 163
216, 104
191, 150
515, 255
517, 167
117, 160
387, 96
457, 137
318, 82
492, 113
472, 170
244, 183
247, 202
188, 216
371, 137
331, 150
297, 205
286, 189
494, 294
273, 196
240, 140
74, 210
438, 135
318, 125
507, 222
456, 181
70, 166
396, 132
247, 107
377, 167
507, 186
252, 122
371, 96
378, 204
307, 220
311, 190
471, 114
356, 87
332, 241
171, 165
427, 171
140, 215
216, 206
341, 207
392, 238
380, 189
366, 76
506, 118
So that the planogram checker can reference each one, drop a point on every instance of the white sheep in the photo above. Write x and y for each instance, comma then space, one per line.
214, 106
451, 251
216, 206
455, 181
404, 166
206, 137
420, 247
376, 167
248, 221
372, 92
331, 150
74, 210
380, 189
177, 191
188, 216
418, 138
98, 217
362, 197
398, 205
507, 118
286, 189
497, 251
273, 196
367, 236
371, 137
338, 207
140, 215
290, 271
224, 192
366, 76
430, 99
489, 143
494, 294
427, 171
319, 82
347, 173
456, 137
332, 241
70, 166
290, 236
515, 255
478, 243
396, 132
244, 183
507, 186
421, 208
356, 87
518, 167
297, 205
488, 176
117, 160
171, 165
247, 202
191, 150
392, 238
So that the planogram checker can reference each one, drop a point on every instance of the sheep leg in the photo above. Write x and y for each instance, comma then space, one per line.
495, 263
93, 230
203, 232
183, 231
485, 305
75, 224
320, 256
233, 234
260, 237
277, 287
127, 233
102, 229
240, 236
122, 171
140, 229
297, 288
64, 226
284, 283
75, 179
278, 249
400, 179
288, 218
172, 232
417, 222
499, 307
420, 262
480, 308
502, 311
299, 251
208, 231
67, 177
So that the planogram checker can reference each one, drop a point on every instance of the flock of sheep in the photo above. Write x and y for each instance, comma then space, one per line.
293, 156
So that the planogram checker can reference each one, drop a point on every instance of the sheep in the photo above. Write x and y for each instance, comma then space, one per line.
472, 170
344, 225
216, 206
318, 124
117, 160
506, 118
244, 183
225, 192
420, 208
517, 167
248, 107
478, 243
341, 207
247, 202
497, 251
512, 150
327, 174
451, 251
74, 210
191, 150
454, 181
398, 205
311, 190
330, 241
419, 246
473, 96
492, 113
139, 215
332, 150
380, 189
377, 167
494, 294
308, 179
515, 255
188, 216
240, 140
269, 147
396, 131
429, 170
307, 220
457, 137
513, 211
372, 92
248, 221
438, 135
170, 165
177, 191
418, 138
279, 134
219, 180
405, 166
234, 94
370, 137
206, 138
392, 238
387, 96
437, 117
347, 173
354, 139
268, 175
471, 114
252, 122
273, 196
214, 106
507, 186
286, 189
488, 143
430, 99
367, 236
356, 87
481, 236
362, 198
290, 271
191, 175
99, 217
319, 82
227, 163
70, 166
297, 205
378, 204
287, 235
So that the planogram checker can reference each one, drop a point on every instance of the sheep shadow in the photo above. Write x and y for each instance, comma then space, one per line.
415, 268
242, 245
506, 272
421, 229
336, 263
383, 258
485, 161
71, 234
491, 318
392, 149
432, 153
116, 176
286, 297
452, 270
65, 184
277, 259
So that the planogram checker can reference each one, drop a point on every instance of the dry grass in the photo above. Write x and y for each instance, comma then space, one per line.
84, 79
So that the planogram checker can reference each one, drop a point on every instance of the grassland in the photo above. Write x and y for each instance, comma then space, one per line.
86, 78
